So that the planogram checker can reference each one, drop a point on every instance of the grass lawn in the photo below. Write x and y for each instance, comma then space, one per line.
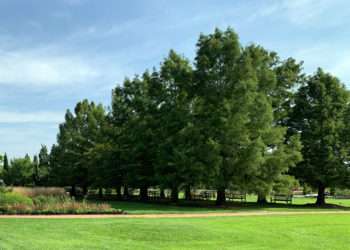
267, 232
299, 204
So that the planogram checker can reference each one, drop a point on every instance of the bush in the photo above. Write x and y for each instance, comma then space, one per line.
340, 192
66, 205
8, 198
40, 191
285, 185
14, 203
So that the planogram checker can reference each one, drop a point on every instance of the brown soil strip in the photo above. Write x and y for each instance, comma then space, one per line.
188, 215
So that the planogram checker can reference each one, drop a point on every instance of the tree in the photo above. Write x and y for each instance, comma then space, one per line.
21, 172
77, 136
216, 59
44, 165
318, 117
120, 119
5, 172
5, 162
241, 104
36, 170
275, 81
175, 158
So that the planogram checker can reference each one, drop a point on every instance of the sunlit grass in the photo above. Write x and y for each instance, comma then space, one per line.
268, 232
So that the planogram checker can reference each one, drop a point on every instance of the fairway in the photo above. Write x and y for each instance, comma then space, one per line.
270, 232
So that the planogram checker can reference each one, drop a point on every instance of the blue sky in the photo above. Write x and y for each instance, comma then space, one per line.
55, 53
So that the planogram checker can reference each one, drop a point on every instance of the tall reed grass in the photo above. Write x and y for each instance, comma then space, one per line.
39, 191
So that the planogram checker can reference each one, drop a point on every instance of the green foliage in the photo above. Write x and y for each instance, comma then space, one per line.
42, 167
9, 198
39, 191
236, 117
20, 172
244, 97
219, 122
318, 116
15, 203
285, 185
77, 137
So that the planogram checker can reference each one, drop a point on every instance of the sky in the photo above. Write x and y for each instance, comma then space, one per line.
58, 52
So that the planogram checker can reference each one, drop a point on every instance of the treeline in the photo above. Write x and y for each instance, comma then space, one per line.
26, 171
237, 117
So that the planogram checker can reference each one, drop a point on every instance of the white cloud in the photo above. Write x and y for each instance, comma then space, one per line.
341, 69
31, 117
336, 62
306, 12
34, 68
26, 138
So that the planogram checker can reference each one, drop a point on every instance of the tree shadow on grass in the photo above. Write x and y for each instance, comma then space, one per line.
183, 206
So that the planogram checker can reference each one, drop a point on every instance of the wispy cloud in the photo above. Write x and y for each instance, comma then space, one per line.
23, 138
306, 12
31, 117
32, 68
336, 62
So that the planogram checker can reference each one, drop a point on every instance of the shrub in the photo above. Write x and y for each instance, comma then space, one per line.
3, 189
285, 184
14, 203
22, 201
8, 198
66, 205
340, 192
40, 191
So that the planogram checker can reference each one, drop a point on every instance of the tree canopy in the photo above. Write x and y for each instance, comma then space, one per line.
235, 118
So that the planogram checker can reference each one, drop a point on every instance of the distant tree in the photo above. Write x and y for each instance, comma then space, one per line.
5, 170
43, 166
36, 170
5, 162
318, 117
21, 171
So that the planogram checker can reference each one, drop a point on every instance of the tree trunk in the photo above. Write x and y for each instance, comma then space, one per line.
162, 193
100, 193
73, 191
321, 199
85, 191
126, 191
119, 192
144, 193
174, 194
188, 195
262, 199
220, 197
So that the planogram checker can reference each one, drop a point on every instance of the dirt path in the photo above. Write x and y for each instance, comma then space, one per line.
188, 215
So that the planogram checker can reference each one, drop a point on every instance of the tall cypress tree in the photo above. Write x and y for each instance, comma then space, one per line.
318, 116
175, 165
6, 168
36, 177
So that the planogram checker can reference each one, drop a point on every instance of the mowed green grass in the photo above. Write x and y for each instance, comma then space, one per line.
255, 232
299, 204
